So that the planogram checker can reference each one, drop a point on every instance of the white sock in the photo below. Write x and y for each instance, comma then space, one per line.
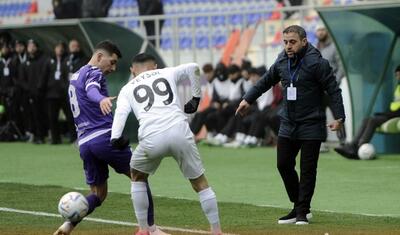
209, 205
240, 137
140, 202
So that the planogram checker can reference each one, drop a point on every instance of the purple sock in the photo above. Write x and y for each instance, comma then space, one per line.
93, 201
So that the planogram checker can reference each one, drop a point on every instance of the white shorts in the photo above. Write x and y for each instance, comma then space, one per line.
178, 142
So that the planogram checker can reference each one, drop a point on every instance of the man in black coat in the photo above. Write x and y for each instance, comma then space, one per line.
151, 7
7, 82
304, 76
30, 78
76, 58
55, 83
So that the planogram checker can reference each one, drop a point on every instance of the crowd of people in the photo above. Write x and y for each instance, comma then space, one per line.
225, 87
34, 89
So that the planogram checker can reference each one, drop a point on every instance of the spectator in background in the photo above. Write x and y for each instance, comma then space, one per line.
289, 3
223, 121
7, 83
266, 117
55, 83
31, 75
220, 94
328, 51
199, 118
21, 98
76, 59
367, 129
151, 7
95, 8
67, 9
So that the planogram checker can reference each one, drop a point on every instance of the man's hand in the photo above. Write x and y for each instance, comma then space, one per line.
243, 108
106, 104
335, 125
120, 143
191, 106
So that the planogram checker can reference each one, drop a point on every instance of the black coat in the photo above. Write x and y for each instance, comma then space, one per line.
8, 81
31, 74
150, 7
55, 87
304, 118
76, 61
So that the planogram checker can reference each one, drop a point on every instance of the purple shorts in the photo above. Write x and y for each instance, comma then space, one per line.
98, 153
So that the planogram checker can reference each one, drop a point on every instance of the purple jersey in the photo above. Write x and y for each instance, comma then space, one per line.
89, 120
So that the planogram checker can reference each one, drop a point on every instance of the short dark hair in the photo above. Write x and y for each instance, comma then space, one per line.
108, 46
246, 64
143, 57
296, 29
233, 68
207, 68
397, 68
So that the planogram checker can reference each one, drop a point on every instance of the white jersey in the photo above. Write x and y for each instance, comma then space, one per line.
152, 95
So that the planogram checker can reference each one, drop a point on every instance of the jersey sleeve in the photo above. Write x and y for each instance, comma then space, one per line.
93, 79
189, 71
121, 114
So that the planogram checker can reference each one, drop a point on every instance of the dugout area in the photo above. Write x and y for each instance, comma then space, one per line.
89, 32
367, 38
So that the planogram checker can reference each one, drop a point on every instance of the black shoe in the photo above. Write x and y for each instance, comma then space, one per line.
289, 218
348, 151
301, 219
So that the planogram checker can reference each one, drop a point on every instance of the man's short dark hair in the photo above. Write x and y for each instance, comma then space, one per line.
108, 46
207, 68
142, 58
233, 68
296, 29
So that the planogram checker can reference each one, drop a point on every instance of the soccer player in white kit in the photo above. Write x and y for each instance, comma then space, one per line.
163, 131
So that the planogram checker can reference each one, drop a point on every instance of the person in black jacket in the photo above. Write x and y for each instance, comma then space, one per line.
7, 83
151, 7
95, 8
304, 76
55, 82
76, 58
21, 98
30, 77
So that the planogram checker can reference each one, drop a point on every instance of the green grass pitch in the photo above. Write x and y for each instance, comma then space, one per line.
352, 197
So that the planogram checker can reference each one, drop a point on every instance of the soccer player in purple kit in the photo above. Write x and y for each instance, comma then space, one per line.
91, 109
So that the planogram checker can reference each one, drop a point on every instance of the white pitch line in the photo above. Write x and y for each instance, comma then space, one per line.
104, 221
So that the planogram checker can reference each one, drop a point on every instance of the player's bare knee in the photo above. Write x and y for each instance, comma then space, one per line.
199, 183
138, 176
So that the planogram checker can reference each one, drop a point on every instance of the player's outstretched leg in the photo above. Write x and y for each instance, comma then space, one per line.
208, 201
99, 194
143, 205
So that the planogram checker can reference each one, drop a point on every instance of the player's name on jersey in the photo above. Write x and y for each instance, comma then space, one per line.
145, 75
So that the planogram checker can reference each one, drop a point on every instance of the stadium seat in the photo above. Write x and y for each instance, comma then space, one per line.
166, 41
185, 40
236, 19
202, 40
218, 20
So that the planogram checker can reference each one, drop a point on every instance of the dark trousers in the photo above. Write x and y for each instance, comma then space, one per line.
367, 129
199, 119
150, 26
39, 122
54, 107
300, 191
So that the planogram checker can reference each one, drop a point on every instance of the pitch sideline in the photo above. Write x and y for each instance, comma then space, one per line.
104, 221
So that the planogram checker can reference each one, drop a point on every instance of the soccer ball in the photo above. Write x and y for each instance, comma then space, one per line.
73, 206
366, 151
